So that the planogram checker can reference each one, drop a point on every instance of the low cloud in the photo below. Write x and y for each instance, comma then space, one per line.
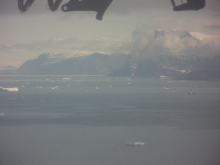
213, 26
52, 43
18, 53
104, 44
108, 45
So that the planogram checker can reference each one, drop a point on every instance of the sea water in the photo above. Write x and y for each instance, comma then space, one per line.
90, 120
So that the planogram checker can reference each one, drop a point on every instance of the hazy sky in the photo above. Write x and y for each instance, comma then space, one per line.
24, 36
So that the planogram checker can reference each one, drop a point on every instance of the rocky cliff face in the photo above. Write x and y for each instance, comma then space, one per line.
171, 53
160, 33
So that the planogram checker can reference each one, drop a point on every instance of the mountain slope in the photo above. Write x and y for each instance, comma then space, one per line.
95, 64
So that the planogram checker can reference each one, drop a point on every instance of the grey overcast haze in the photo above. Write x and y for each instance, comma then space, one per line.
25, 36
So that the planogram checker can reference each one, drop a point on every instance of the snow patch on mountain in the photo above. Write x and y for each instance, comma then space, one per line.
202, 36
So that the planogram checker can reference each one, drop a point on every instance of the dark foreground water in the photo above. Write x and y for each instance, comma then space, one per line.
53, 120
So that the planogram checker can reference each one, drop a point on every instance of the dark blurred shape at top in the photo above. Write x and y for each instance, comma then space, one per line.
99, 6
190, 5
23, 7
53, 5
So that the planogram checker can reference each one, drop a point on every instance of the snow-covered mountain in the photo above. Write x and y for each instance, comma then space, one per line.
67, 64
172, 53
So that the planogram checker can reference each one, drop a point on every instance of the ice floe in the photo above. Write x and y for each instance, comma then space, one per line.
66, 78
135, 144
2, 114
192, 93
14, 89
163, 76
56, 87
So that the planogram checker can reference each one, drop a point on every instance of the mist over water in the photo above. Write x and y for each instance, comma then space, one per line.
89, 120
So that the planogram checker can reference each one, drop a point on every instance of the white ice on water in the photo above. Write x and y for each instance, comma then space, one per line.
66, 78
136, 144
13, 89
56, 87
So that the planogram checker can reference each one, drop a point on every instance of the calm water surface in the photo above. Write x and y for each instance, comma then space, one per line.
88, 120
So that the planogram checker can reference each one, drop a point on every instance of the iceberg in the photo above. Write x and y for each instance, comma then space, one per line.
56, 87
66, 78
14, 89
163, 76
136, 144
192, 93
